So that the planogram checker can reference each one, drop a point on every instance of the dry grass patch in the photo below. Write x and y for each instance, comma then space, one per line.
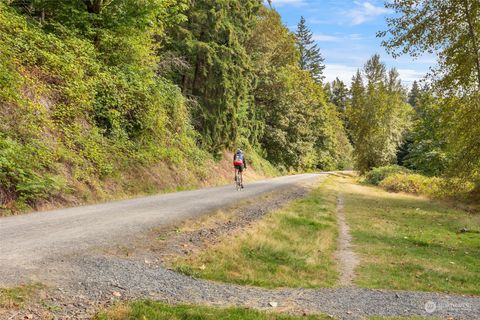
291, 247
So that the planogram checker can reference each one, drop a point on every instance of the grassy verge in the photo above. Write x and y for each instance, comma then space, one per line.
292, 247
155, 310
412, 243
17, 297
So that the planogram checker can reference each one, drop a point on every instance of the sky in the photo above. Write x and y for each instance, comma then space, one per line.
345, 31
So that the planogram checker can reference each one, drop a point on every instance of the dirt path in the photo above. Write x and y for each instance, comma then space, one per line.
346, 257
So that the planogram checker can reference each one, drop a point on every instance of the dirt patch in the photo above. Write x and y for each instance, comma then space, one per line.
347, 259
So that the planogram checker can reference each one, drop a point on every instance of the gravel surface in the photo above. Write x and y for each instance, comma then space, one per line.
82, 280
102, 278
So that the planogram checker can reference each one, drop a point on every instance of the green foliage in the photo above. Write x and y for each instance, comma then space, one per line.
377, 175
77, 108
92, 91
23, 173
301, 131
462, 134
212, 41
428, 152
410, 183
378, 116
435, 187
441, 26
444, 27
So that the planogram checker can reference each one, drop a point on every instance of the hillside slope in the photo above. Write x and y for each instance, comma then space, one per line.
75, 128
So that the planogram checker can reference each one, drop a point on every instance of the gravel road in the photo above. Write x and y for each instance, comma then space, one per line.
28, 240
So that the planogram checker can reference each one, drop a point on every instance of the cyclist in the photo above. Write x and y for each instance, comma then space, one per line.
239, 163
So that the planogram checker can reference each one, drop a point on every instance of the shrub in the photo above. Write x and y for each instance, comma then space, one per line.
22, 176
436, 187
410, 183
377, 175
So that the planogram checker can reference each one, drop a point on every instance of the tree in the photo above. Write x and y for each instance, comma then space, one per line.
302, 131
339, 96
213, 42
428, 151
450, 28
311, 59
414, 94
378, 116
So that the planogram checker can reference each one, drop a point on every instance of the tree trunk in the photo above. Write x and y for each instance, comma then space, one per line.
473, 35
94, 6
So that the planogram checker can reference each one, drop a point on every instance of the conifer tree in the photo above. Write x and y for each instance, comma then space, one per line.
413, 95
311, 59
339, 95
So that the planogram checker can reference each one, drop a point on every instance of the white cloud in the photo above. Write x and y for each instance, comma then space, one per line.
366, 11
343, 72
410, 75
324, 37
356, 36
280, 3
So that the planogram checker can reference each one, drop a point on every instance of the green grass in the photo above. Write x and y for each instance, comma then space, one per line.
18, 296
291, 247
154, 310
412, 243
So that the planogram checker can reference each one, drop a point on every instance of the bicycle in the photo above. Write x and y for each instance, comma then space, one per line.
238, 179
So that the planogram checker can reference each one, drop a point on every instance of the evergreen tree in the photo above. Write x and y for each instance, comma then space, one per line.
340, 95
311, 59
213, 41
413, 95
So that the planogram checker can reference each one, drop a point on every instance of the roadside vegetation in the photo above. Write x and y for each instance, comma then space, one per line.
291, 247
155, 310
125, 98
17, 297
412, 243
396, 178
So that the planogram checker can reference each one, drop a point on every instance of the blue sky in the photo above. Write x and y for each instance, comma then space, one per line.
345, 31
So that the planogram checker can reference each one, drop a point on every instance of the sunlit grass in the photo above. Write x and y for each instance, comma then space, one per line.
292, 247
18, 296
155, 310
412, 243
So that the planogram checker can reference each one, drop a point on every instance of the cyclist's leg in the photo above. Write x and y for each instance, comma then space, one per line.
241, 178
